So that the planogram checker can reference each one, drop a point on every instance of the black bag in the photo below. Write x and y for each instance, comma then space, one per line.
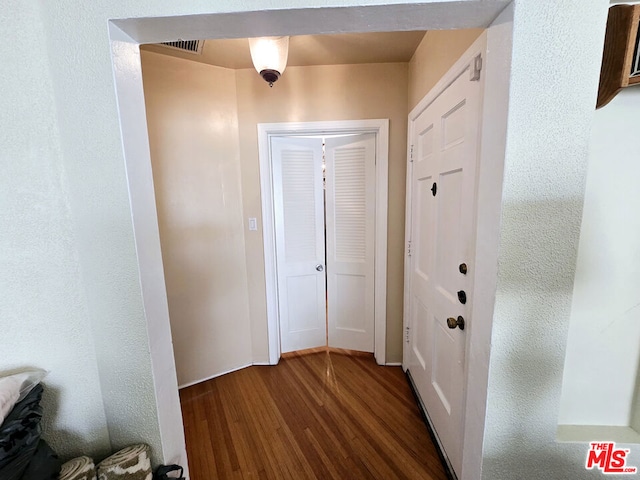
162, 472
20, 434
45, 464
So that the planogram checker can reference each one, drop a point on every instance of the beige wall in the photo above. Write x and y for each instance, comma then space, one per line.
436, 54
338, 92
193, 136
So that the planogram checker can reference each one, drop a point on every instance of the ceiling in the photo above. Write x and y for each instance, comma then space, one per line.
339, 49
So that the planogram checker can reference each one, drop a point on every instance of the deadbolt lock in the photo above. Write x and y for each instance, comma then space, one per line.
453, 322
462, 297
463, 268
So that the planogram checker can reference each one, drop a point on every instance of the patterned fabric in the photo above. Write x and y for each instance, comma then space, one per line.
81, 468
131, 463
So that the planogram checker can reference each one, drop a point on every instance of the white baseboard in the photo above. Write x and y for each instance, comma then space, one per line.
214, 376
235, 369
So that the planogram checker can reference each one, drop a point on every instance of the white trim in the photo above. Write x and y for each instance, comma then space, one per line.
406, 325
127, 76
393, 364
497, 41
219, 374
380, 127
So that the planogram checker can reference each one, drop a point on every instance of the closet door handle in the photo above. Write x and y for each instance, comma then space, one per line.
319, 268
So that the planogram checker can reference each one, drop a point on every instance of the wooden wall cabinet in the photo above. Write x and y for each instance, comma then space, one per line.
621, 57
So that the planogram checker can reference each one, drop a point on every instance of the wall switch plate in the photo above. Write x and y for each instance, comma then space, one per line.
253, 224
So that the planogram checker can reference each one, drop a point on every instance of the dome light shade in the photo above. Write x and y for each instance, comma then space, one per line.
269, 56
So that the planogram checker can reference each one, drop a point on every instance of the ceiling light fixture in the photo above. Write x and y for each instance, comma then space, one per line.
269, 56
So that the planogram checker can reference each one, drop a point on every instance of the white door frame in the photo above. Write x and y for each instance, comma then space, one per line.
379, 127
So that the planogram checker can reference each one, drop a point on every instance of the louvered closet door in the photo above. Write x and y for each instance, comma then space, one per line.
299, 223
350, 212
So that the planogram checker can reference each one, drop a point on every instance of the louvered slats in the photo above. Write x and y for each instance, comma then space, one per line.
299, 206
350, 204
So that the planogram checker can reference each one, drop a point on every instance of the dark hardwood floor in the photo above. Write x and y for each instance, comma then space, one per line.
316, 415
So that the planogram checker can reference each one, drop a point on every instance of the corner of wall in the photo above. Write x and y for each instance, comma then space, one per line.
436, 54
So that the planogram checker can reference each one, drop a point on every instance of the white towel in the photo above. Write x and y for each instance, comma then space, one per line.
9, 394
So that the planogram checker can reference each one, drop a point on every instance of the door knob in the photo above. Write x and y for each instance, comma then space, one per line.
319, 267
453, 323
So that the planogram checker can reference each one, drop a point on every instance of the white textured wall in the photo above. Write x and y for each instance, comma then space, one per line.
549, 122
553, 84
79, 60
604, 334
43, 311
193, 134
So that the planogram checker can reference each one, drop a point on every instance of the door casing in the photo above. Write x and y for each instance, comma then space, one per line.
379, 127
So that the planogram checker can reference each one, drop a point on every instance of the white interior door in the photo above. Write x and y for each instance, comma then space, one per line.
299, 232
350, 223
445, 153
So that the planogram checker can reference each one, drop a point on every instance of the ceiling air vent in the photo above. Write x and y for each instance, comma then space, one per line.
191, 46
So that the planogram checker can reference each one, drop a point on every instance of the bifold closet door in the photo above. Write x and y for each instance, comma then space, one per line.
350, 223
300, 250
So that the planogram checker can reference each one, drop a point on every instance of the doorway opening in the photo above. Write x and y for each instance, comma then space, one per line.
127, 34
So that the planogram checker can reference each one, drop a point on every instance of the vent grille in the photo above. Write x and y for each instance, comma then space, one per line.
191, 46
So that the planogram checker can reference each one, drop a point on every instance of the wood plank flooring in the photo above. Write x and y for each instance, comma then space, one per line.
316, 415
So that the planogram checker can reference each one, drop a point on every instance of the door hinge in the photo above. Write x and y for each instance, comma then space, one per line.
411, 154
409, 248
476, 68
406, 334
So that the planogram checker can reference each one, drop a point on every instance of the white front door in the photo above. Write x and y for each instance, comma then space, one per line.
350, 213
300, 251
445, 152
